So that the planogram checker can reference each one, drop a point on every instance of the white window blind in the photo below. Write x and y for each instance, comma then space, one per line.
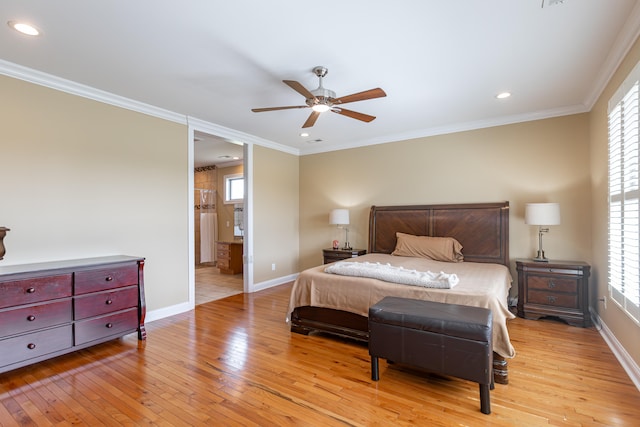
624, 196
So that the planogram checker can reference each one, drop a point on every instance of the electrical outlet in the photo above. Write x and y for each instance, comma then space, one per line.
604, 302
273, 267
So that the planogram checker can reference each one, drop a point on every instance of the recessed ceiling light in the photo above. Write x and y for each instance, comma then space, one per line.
27, 29
503, 95
304, 134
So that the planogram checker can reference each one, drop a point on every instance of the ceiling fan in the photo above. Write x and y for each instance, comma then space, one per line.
321, 100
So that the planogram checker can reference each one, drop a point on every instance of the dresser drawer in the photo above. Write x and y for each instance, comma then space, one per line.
29, 291
222, 253
555, 283
35, 344
553, 299
87, 281
105, 302
98, 328
18, 320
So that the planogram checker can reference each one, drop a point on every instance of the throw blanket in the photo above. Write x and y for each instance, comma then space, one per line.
390, 273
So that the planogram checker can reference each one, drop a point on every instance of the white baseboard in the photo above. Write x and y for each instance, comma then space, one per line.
274, 282
628, 364
168, 311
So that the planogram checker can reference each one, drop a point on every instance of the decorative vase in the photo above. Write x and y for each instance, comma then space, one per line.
3, 232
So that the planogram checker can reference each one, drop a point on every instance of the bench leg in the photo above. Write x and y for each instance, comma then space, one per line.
485, 404
375, 375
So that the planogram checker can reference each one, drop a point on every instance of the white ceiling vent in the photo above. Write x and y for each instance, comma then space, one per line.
552, 2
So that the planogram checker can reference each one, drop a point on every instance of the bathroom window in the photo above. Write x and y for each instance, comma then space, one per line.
234, 188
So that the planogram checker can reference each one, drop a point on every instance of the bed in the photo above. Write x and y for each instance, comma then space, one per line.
337, 304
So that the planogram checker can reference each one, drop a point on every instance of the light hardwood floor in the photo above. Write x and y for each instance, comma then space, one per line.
211, 285
234, 362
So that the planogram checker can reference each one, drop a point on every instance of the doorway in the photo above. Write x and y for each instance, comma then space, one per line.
216, 219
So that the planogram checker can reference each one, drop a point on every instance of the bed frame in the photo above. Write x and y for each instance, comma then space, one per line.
481, 228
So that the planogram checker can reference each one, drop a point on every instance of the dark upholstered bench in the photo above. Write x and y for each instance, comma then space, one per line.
448, 339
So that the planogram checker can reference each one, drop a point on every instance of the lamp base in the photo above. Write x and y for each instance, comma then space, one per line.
540, 257
347, 246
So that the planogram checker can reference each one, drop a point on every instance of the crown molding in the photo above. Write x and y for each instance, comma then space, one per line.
237, 136
458, 127
43, 79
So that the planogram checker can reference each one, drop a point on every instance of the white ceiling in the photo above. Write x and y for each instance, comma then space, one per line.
441, 63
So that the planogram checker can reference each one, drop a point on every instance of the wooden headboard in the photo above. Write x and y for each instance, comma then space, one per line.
481, 228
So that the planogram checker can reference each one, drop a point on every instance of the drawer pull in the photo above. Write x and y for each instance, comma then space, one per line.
551, 299
551, 284
109, 325
31, 346
108, 302
31, 290
108, 278
31, 318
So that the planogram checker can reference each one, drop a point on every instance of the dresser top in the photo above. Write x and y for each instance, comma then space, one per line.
67, 264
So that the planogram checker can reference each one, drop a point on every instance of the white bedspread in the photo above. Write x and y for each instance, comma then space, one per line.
391, 273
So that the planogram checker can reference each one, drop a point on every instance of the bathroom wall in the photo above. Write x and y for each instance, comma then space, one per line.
205, 178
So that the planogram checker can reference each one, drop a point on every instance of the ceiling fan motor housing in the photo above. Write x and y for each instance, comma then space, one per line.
322, 96
321, 100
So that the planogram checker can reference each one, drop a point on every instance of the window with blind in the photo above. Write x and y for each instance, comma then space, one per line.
624, 196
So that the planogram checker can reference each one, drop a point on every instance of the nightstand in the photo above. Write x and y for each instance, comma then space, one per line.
556, 288
333, 255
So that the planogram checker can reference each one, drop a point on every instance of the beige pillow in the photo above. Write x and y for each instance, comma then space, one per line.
436, 248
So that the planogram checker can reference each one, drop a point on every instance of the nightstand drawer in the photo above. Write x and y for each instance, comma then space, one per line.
552, 299
333, 255
554, 283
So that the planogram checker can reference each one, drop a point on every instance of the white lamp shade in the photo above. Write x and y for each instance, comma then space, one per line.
339, 216
542, 214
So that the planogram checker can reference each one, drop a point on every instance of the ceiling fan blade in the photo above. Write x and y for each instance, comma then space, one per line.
360, 96
260, 110
354, 114
299, 88
311, 120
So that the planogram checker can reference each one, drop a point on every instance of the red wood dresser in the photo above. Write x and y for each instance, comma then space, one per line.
52, 308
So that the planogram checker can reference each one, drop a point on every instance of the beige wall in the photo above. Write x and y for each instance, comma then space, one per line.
79, 178
625, 329
275, 212
538, 161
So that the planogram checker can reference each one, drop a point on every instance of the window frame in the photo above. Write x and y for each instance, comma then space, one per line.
623, 196
228, 181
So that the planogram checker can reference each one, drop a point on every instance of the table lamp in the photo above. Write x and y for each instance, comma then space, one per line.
340, 217
542, 214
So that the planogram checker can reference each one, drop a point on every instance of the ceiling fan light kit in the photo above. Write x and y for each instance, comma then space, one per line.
321, 100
